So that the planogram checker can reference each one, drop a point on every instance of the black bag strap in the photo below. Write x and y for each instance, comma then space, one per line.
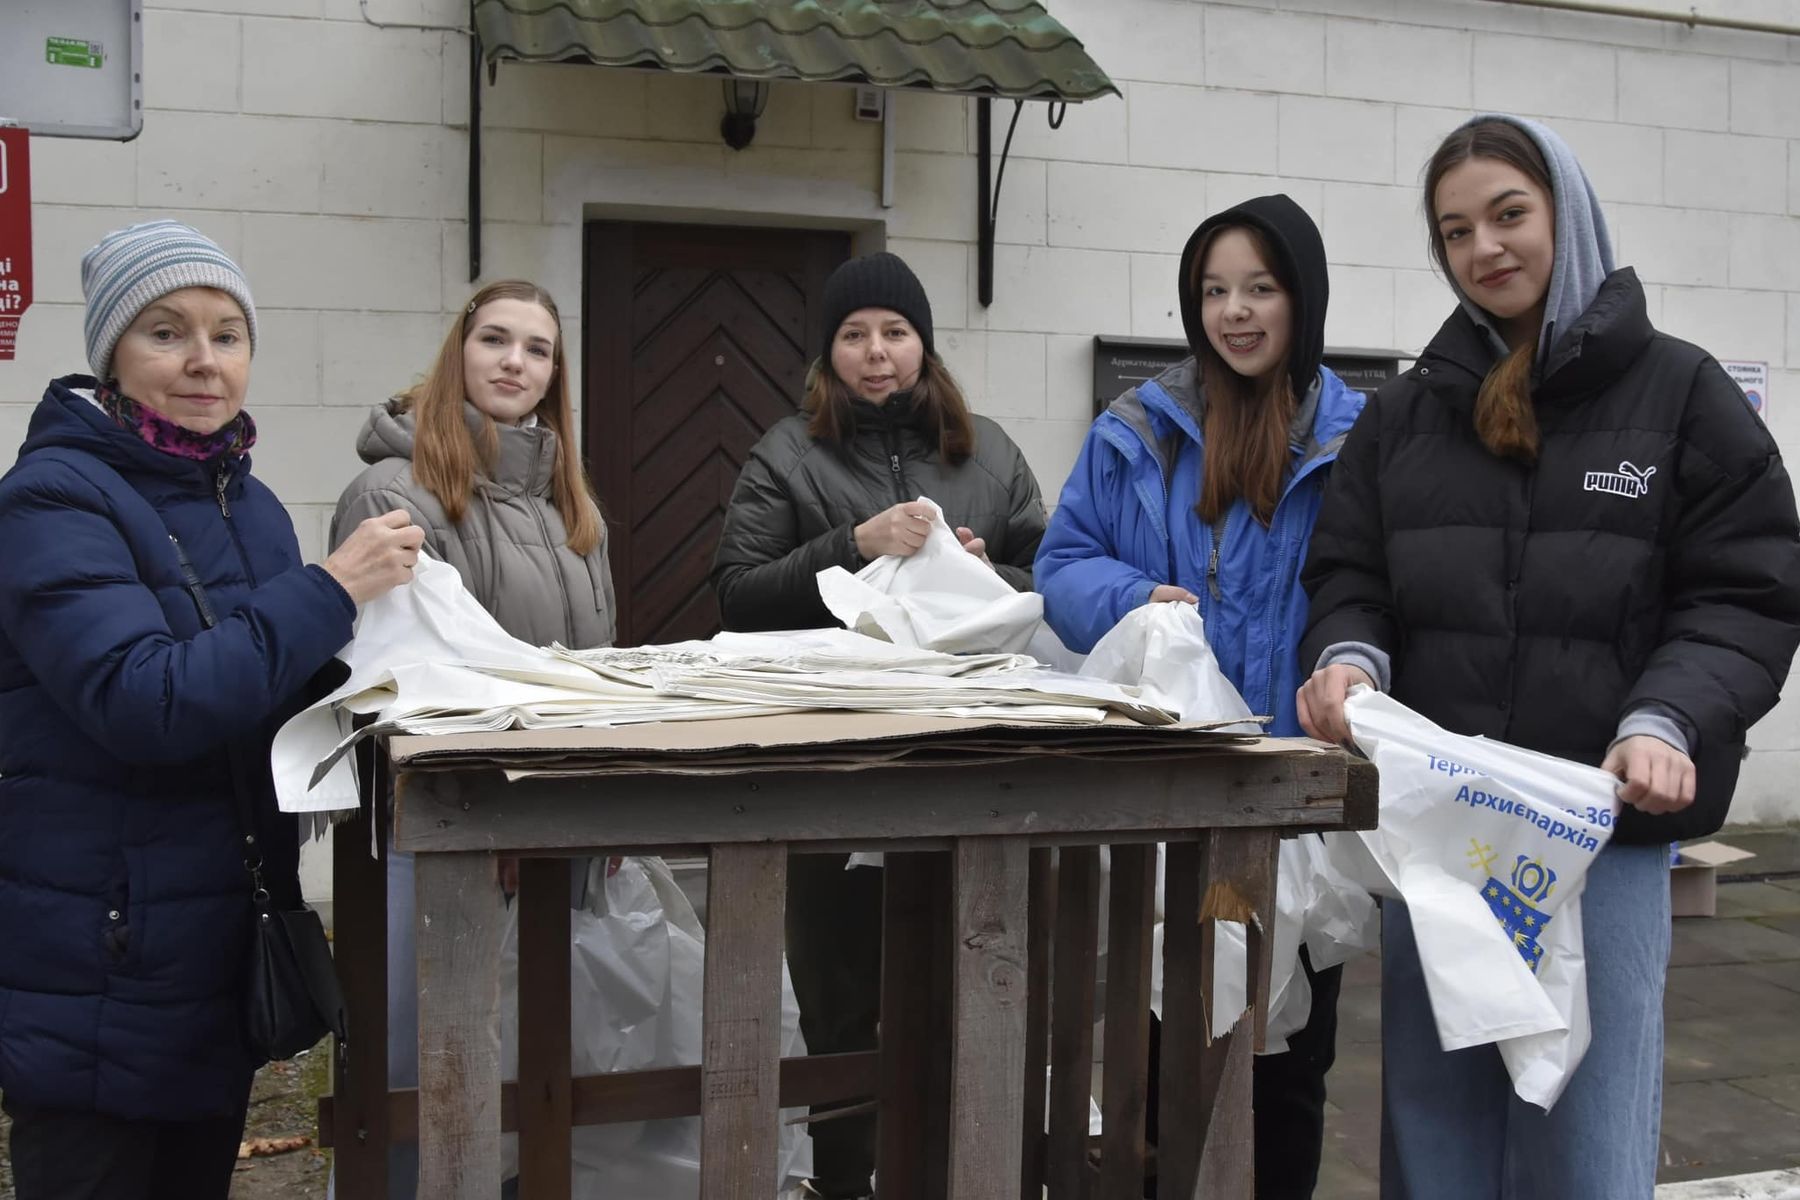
93, 467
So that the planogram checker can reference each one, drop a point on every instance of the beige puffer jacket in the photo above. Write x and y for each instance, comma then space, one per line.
511, 547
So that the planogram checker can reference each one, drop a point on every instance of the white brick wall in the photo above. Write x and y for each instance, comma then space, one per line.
330, 157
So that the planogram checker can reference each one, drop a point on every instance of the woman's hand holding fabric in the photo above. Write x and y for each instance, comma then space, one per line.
1170, 593
378, 557
1321, 702
1657, 778
898, 530
974, 545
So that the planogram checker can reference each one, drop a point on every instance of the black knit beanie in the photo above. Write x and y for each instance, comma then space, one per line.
1299, 265
875, 281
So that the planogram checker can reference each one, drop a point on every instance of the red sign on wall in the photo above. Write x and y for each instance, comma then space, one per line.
15, 234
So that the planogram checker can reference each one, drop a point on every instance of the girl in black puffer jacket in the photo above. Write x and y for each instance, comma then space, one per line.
1567, 531
839, 485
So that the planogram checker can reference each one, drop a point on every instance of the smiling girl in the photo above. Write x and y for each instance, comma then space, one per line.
1201, 487
482, 454
1564, 530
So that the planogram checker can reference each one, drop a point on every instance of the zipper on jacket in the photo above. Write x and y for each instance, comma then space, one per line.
893, 452
1212, 557
219, 483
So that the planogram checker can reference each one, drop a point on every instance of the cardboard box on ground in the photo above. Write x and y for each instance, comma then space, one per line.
1694, 877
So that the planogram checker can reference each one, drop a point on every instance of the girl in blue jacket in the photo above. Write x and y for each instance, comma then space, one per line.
1201, 487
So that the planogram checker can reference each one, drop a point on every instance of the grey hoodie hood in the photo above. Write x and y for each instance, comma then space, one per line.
1584, 256
526, 463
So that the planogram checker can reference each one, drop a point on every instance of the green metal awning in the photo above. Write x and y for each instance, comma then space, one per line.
1012, 49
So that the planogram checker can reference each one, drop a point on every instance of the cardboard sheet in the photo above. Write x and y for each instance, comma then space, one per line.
814, 740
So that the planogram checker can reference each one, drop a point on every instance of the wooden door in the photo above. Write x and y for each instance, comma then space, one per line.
697, 339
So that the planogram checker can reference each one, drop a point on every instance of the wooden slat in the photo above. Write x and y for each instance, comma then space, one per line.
1238, 883
913, 1127
447, 810
1132, 914
359, 1127
1228, 1156
459, 927
1041, 926
650, 1095
990, 879
543, 1102
1362, 795
1179, 1128
1072, 1020
741, 1022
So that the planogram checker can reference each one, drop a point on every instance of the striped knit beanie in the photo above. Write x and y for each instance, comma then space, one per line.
130, 268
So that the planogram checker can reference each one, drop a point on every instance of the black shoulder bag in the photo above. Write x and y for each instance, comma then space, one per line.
291, 995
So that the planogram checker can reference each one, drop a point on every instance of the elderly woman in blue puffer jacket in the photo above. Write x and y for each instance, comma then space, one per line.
124, 896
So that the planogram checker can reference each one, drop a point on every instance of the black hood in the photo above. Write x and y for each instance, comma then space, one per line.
1300, 265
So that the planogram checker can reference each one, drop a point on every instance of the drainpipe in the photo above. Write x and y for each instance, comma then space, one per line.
1692, 19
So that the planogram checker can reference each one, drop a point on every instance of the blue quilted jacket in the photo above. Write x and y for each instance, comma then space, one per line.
1126, 523
124, 903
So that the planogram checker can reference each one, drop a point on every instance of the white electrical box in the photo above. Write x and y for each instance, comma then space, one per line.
871, 102
73, 68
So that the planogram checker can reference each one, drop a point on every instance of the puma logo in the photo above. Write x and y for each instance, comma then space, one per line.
1628, 481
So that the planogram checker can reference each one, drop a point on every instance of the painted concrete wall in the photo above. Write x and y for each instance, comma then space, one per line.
328, 155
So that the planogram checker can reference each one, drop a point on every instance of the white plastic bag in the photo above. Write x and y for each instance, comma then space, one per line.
1489, 846
637, 959
1315, 906
940, 598
1162, 649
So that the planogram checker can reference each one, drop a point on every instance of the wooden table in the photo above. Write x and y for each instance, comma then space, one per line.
992, 880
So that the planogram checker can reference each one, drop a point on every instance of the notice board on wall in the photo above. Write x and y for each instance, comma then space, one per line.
73, 68
1121, 363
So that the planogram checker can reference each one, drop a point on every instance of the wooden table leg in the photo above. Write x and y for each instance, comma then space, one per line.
1041, 931
990, 881
1072, 1020
544, 1092
1132, 915
359, 1138
1179, 1125
460, 921
740, 1069
1239, 881
913, 1129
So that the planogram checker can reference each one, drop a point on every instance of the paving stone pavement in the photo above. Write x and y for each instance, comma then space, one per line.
1731, 1068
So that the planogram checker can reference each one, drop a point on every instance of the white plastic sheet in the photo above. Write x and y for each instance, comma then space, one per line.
636, 982
1162, 650
1489, 846
427, 658
942, 598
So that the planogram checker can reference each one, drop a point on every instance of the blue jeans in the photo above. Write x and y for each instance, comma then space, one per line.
1451, 1128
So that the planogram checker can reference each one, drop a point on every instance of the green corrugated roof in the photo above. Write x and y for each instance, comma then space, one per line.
1009, 48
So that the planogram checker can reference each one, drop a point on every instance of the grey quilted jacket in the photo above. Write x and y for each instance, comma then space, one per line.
511, 547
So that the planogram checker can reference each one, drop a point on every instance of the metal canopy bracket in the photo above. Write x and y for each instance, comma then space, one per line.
475, 146
987, 185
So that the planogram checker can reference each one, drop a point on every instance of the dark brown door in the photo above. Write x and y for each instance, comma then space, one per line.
697, 339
